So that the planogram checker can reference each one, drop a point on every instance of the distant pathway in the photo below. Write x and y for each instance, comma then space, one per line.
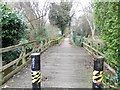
65, 66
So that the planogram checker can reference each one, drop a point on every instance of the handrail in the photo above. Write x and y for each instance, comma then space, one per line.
94, 48
41, 49
99, 53
9, 48
95, 41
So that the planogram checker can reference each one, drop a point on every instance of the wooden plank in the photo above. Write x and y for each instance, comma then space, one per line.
2, 50
14, 72
109, 68
19, 57
14, 47
89, 51
1, 74
91, 40
13, 62
94, 49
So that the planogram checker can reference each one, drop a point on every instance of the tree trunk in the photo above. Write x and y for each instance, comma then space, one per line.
62, 31
93, 34
1, 73
92, 28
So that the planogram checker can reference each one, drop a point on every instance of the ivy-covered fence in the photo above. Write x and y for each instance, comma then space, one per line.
106, 16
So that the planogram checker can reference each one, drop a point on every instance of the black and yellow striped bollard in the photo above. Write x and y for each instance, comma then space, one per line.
36, 74
98, 72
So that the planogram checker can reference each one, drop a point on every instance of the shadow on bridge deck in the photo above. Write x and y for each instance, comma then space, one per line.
65, 66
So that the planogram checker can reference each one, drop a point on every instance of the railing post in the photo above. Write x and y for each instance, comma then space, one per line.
24, 52
41, 45
92, 51
36, 74
82, 39
98, 72
118, 70
1, 74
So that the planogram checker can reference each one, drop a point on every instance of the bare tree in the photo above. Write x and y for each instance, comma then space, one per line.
88, 16
88, 12
35, 14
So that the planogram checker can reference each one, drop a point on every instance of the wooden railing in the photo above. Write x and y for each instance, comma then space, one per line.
37, 46
93, 47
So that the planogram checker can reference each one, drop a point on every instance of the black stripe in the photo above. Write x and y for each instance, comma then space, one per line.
38, 80
98, 73
36, 74
35, 78
98, 78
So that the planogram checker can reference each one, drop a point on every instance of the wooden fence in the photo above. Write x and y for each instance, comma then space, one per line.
37, 46
94, 49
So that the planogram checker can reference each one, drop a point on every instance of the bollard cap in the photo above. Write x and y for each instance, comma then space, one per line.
35, 61
34, 54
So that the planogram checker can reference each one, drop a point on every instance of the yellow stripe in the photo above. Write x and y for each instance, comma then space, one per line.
34, 80
101, 72
35, 76
39, 81
100, 80
95, 77
96, 72
35, 73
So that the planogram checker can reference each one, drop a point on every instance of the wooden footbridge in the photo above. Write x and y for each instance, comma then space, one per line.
63, 65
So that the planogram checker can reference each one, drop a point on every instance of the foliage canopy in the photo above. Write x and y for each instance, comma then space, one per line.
59, 15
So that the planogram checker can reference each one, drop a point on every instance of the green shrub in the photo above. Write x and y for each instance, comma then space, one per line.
13, 26
13, 29
107, 21
41, 33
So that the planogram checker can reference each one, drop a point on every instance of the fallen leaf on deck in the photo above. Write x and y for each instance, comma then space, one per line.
11, 80
5, 86
44, 78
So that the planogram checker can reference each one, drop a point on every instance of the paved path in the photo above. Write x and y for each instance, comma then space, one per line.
65, 66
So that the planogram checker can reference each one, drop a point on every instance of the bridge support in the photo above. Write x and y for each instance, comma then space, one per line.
98, 72
36, 74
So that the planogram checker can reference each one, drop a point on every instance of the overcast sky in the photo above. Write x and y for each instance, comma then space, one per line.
76, 4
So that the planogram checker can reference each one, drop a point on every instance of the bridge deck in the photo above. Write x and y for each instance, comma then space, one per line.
65, 66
